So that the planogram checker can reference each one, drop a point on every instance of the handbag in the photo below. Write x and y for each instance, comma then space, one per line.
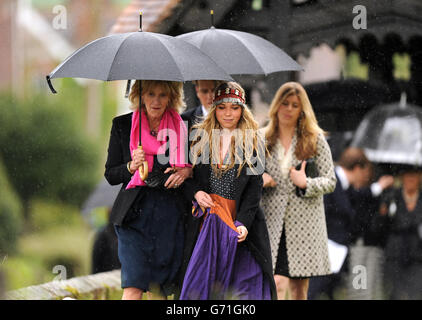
311, 171
157, 178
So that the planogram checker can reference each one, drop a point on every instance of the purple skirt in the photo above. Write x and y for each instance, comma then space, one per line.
221, 268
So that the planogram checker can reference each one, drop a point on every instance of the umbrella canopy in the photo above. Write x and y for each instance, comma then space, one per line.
392, 134
240, 52
334, 95
103, 196
337, 110
139, 55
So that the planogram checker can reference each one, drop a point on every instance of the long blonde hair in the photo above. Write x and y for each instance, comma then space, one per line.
246, 145
172, 88
307, 126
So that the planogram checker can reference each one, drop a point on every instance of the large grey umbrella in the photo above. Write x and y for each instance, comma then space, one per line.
142, 56
392, 134
139, 55
240, 52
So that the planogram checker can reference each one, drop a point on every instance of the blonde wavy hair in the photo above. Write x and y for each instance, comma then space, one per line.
246, 146
172, 88
307, 126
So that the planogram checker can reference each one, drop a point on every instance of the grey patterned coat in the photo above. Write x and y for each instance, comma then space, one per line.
303, 217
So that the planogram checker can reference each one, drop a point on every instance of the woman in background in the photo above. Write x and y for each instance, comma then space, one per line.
400, 220
296, 224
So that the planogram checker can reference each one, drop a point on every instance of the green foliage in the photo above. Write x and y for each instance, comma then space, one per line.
69, 245
47, 214
45, 150
354, 68
23, 271
109, 109
401, 64
52, 165
10, 216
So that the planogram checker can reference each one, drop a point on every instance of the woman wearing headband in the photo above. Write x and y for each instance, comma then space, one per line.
227, 250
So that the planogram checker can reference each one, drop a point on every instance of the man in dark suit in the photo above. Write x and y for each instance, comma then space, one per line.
205, 93
353, 173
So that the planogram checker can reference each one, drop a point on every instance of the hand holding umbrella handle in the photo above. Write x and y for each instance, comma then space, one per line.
143, 169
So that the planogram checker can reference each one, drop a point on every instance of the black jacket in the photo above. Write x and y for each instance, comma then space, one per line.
402, 229
192, 116
116, 170
116, 167
366, 207
339, 215
248, 212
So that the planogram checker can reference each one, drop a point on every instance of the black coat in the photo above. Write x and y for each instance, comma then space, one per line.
366, 207
104, 252
248, 212
116, 171
192, 116
339, 215
402, 229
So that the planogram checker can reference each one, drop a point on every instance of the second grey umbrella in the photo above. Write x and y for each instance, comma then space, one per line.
240, 52
141, 56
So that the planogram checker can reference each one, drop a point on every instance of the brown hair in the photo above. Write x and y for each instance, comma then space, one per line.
352, 157
216, 82
307, 126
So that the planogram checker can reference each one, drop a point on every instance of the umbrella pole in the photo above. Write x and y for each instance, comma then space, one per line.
143, 169
212, 18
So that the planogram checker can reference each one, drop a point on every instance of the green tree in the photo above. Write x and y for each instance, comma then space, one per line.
10, 216
45, 151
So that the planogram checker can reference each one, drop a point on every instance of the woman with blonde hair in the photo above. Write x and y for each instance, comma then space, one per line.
292, 202
227, 250
148, 217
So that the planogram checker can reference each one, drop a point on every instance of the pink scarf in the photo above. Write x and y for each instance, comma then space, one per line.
171, 125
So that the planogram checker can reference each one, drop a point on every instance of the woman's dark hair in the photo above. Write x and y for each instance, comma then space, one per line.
352, 157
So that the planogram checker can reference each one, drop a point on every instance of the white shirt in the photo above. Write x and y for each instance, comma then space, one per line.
285, 160
376, 189
204, 111
345, 184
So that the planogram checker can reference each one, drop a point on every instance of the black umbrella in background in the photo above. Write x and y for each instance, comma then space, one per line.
340, 106
240, 52
349, 95
139, 55
392, 135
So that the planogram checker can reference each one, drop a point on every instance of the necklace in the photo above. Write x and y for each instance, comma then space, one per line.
154, 125
154, 130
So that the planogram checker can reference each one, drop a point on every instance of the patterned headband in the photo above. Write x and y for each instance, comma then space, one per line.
229, 95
